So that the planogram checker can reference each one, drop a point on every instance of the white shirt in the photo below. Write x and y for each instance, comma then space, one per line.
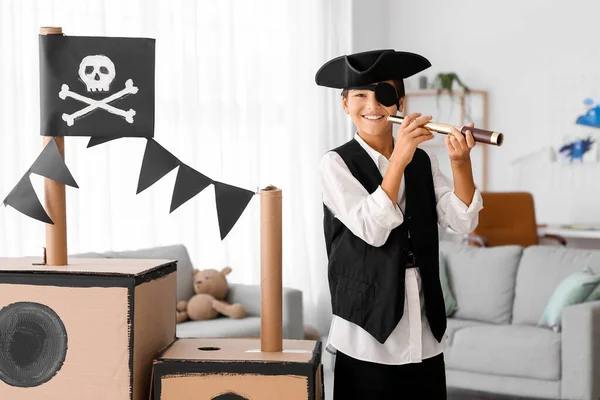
372, 217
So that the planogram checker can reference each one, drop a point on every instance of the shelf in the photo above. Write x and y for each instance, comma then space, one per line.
434, 92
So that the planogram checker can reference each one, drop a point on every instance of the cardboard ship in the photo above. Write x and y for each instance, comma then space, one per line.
89, 330
205, 369
105, 328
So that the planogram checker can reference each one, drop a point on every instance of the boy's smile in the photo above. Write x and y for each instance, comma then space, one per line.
373, 117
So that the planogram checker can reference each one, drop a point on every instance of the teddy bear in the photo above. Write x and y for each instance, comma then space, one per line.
211, 289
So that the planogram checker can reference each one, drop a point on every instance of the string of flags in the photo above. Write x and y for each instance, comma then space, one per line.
231, 201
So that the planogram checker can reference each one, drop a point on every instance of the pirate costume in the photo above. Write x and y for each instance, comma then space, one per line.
389, 320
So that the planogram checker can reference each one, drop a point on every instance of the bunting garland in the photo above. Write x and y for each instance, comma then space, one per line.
157, 162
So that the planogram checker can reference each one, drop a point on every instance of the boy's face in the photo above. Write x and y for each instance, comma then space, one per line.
369, 116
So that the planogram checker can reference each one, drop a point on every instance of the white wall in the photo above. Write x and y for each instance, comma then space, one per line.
538, 60
370, 22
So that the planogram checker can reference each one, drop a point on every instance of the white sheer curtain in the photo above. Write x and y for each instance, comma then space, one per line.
235, 99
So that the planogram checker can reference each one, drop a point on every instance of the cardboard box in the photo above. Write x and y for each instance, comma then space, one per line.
88, 330
215, 369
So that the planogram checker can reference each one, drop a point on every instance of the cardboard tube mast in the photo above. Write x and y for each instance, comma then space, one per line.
271, 270
55, 200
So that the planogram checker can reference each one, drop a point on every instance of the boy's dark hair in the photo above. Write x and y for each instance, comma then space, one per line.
399, 84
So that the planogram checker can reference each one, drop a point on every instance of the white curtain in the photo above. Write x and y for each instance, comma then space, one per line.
235, 100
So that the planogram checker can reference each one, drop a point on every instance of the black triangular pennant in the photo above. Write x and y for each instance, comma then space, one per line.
231, 203
51, 164
95, 141
188, 184
24, 199
157, 163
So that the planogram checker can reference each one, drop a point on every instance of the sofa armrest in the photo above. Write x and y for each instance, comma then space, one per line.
581, 351
292, 308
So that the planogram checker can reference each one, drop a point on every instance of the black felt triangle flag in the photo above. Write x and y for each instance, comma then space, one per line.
51, 164
24, 199
231, 203
188, 184
157, 163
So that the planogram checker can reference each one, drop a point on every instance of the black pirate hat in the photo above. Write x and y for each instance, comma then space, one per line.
363, 70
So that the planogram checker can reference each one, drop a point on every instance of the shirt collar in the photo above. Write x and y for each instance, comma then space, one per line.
378, 158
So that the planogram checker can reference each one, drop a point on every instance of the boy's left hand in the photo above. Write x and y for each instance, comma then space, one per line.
459, 146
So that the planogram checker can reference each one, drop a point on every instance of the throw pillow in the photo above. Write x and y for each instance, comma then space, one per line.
449, 298
595, 295
574, 289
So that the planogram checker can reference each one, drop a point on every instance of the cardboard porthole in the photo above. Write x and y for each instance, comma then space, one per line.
34, 344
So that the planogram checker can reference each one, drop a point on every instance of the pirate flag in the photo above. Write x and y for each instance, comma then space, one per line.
96, 86
103, 88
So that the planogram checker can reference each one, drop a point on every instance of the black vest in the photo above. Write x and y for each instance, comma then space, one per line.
366, 282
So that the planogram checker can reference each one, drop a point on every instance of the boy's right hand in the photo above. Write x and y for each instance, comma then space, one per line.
410, 134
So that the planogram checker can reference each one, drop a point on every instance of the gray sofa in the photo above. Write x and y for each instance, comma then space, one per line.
494, 343
247, 295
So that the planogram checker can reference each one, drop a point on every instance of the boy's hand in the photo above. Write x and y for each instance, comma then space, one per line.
459, 146
410, 134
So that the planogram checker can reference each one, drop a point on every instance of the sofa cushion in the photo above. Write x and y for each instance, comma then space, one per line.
185, 287
541, 270
509, 350
449, 299
454, 325
220, 327
482, 280
574, 289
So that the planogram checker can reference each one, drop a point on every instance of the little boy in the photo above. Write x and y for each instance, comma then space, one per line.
383, 200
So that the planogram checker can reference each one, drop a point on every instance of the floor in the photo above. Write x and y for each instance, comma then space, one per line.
453, 394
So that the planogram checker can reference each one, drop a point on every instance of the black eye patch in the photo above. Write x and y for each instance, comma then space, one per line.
384, 93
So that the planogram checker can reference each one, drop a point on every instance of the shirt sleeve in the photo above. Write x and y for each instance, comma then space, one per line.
371, 217
452, 212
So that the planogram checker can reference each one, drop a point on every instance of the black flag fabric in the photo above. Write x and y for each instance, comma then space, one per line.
188, 184
96, 86
231, 203
157, 163
49, 164
23, 198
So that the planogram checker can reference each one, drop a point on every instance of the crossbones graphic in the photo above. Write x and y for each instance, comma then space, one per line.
94, 104
97, 72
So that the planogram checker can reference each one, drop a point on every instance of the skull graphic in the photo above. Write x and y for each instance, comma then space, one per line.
97, 72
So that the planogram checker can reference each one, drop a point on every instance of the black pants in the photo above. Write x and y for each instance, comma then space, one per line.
361, 380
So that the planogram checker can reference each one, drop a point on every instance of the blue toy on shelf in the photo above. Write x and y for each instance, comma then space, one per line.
592, 116
577, 148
